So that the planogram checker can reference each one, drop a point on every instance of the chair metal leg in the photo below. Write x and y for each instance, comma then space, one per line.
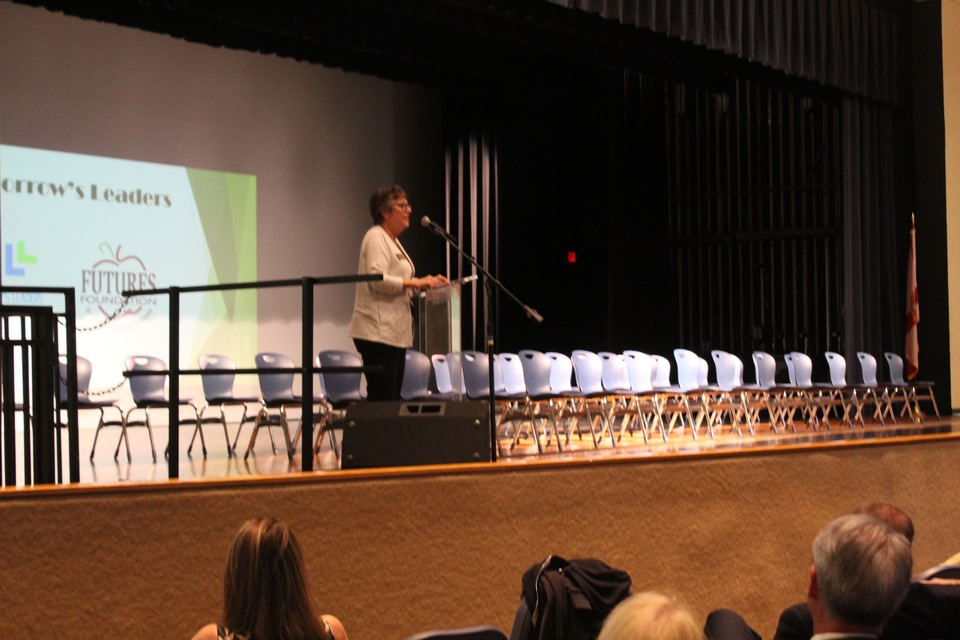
199, 429
226, 434
557, 410
124, 436
192, 439
328, 416
541, 414
96, 435
286, 434
203, 442
535, 416
694, 426
928, 395
273, 443
116, 454
296, 434
146, 423
499, 425
256, 429
243, 419
887, 401
321, 427
324, 432
592, 421
658, 415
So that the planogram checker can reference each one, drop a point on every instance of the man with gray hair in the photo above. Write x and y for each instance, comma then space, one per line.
795, 622
860, 573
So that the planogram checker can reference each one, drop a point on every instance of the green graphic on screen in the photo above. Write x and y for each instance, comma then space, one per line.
107, 225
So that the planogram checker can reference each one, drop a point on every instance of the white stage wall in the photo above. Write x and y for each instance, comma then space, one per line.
317, 140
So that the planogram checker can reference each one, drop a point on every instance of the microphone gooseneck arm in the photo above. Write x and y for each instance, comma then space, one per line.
488, 284
488, 277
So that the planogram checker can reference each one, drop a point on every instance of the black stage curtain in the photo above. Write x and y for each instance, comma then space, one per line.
844, 294
876, 216
853, 45
548, 72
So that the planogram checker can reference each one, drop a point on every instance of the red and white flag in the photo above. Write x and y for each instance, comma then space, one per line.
912, 346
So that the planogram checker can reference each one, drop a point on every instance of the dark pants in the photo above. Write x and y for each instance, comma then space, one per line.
724, 624
386, 385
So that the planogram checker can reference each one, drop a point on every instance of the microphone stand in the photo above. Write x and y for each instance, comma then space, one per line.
488, 282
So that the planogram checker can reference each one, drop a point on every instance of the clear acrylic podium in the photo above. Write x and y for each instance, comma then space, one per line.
439, 328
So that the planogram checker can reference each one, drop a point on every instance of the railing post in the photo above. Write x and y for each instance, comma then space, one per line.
73, 419
173, 442
27, 382
7, 374
306, 383
43, 360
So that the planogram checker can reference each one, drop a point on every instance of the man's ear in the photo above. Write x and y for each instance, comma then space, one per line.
813, 589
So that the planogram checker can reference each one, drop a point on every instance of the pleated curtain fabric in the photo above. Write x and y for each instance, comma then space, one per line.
853, 45
472, 218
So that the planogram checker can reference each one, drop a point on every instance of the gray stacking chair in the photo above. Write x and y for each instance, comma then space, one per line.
217, 382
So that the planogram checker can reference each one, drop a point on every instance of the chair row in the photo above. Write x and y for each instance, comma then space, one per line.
277, 397
547, 396
849, 400
554, 396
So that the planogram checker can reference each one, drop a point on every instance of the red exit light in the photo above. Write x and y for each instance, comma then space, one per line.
571, 257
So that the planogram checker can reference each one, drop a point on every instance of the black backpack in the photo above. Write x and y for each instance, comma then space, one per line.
568, 599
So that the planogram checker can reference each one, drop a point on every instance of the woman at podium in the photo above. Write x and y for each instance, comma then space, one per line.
382, 322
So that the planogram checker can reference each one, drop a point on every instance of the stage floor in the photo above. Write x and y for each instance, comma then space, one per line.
105, 469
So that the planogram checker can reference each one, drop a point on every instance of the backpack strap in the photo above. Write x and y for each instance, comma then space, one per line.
530, 583
553, 607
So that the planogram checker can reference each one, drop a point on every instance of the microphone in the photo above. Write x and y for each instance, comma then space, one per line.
533, 315
433, 226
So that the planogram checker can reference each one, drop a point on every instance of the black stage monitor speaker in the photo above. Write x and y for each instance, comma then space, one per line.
394, 434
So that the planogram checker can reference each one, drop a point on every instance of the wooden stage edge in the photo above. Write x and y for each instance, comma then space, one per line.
280, 471
396, 551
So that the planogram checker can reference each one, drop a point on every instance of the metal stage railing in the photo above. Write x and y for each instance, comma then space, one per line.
29, 338
306, 369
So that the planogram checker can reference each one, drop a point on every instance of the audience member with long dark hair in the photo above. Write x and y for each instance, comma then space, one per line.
265, 590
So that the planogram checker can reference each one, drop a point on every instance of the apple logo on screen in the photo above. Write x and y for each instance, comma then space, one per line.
106, 280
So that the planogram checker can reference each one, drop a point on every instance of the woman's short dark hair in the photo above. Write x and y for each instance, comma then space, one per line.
264, 587
383, 198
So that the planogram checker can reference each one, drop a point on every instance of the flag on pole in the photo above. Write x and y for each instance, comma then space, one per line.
912, 346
